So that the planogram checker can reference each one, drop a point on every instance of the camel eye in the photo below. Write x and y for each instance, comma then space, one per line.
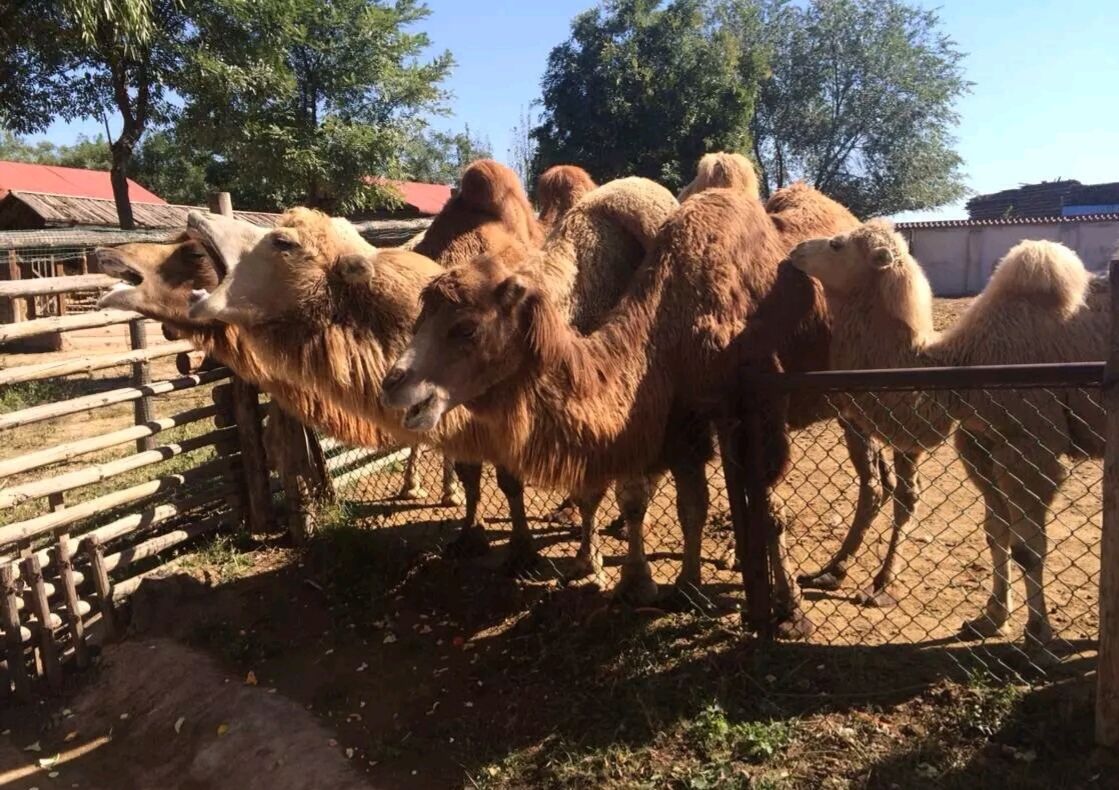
284, 243
836, 244
464, 330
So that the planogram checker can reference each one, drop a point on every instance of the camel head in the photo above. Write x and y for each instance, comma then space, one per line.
477, 328
853, 261
162, 280
285, 268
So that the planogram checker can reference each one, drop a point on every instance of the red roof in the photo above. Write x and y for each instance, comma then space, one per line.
424, 198
69, 181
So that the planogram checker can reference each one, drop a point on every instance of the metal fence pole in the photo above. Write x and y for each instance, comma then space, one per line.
1107, 683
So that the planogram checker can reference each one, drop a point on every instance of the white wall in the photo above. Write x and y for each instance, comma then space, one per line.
959, 260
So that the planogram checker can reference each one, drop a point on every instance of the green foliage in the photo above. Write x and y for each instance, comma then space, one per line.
172, 169
440, 157
858, 101
718, 739
84, 153
301, 100
522, 148
643, 90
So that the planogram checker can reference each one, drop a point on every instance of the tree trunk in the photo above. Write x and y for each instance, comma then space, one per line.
122, 155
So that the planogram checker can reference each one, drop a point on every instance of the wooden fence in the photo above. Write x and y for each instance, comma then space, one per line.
66, 564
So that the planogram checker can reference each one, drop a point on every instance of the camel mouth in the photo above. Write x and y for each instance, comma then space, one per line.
425, 414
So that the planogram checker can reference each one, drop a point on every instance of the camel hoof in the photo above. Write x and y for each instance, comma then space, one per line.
566, 514
824, 580
521, 561
796, 627
453, 499
875, 599
636, 587
470, 542
1038, 638
581, 567
684, 596
412, 493
982, 627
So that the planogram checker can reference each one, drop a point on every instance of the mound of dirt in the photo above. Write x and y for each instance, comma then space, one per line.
159, 714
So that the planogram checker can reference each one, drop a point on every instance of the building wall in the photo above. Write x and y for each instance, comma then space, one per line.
959, 260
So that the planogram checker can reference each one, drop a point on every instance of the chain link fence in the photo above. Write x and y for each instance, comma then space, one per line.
985, 509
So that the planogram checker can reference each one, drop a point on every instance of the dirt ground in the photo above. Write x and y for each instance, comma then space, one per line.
378, 657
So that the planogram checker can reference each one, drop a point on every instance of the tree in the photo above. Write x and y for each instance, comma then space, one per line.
522, 148
172, 169
84, 153
859, 101
641, 89
301, 101
91, 59
440, 157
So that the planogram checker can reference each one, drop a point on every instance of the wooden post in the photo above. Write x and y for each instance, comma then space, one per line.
40, 607
102, 584
1107, 674
221, 203
64, 560
254, 465
18, 307
298, 458
141, 375
13, 638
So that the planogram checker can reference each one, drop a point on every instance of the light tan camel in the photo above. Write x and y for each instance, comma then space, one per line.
1037, 308
636, 395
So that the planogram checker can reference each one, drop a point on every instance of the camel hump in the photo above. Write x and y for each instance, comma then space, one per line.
724, 170
639, 206
1047, 274
558, 189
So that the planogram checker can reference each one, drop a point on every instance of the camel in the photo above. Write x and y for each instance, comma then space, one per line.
636, 395
722, 170
558, 189
1040, 306
323, 319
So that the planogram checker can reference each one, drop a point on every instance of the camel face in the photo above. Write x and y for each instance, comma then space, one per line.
158, 280
844, 263
466, 342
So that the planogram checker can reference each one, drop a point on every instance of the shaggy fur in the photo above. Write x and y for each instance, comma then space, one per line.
633, 396
1040, 306
558, 189
723, 170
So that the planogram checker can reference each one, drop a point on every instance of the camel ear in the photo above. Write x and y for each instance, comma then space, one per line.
356, 269
882, 257
511, 292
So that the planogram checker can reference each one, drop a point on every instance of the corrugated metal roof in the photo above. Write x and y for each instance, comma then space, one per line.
425, 198
72, 181
67, 210
984, 223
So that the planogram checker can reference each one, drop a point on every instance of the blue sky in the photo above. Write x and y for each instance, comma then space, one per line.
1045, 103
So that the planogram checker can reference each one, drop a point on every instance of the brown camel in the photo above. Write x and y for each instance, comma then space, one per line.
636, 395
320, 318
558, 189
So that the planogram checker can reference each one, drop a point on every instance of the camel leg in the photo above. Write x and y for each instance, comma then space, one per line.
868, 462
996, 526
566, 512
522, 555
412, 488
907, 496
453, 495
691, 508
588, 559
1029, 483
471, 540
636, 586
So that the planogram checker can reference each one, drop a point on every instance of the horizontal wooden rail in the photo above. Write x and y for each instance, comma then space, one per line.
1080, 374
161, 543
48, 522
48, 411
141, 520
88, 364
70, 450
41, 286
65, 323
95, 473
376, 465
